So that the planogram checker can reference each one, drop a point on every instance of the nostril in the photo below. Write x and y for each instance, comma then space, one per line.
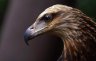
32, 27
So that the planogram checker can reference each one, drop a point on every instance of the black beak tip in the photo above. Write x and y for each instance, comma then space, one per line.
26, 40
27, 37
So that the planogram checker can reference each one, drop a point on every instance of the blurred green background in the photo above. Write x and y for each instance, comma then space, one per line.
3, 7
88, 7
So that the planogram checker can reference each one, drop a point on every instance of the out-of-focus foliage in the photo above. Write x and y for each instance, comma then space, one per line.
88, 7
3, 6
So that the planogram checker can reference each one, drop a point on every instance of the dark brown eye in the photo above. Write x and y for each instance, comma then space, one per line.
47, 17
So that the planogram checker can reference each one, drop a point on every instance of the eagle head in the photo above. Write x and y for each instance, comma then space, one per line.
50, 20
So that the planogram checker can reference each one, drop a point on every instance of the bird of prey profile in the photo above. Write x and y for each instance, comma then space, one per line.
77, 31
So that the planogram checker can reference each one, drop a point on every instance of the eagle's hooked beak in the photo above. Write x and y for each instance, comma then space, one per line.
34, 30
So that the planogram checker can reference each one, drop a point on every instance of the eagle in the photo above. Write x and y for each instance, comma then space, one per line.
76, 29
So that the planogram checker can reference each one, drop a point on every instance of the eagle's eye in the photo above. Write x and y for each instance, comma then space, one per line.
47, 17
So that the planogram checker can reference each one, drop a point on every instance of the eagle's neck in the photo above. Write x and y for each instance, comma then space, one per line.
79, 44
73, 45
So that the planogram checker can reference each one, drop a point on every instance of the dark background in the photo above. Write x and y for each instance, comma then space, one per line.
17, 15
